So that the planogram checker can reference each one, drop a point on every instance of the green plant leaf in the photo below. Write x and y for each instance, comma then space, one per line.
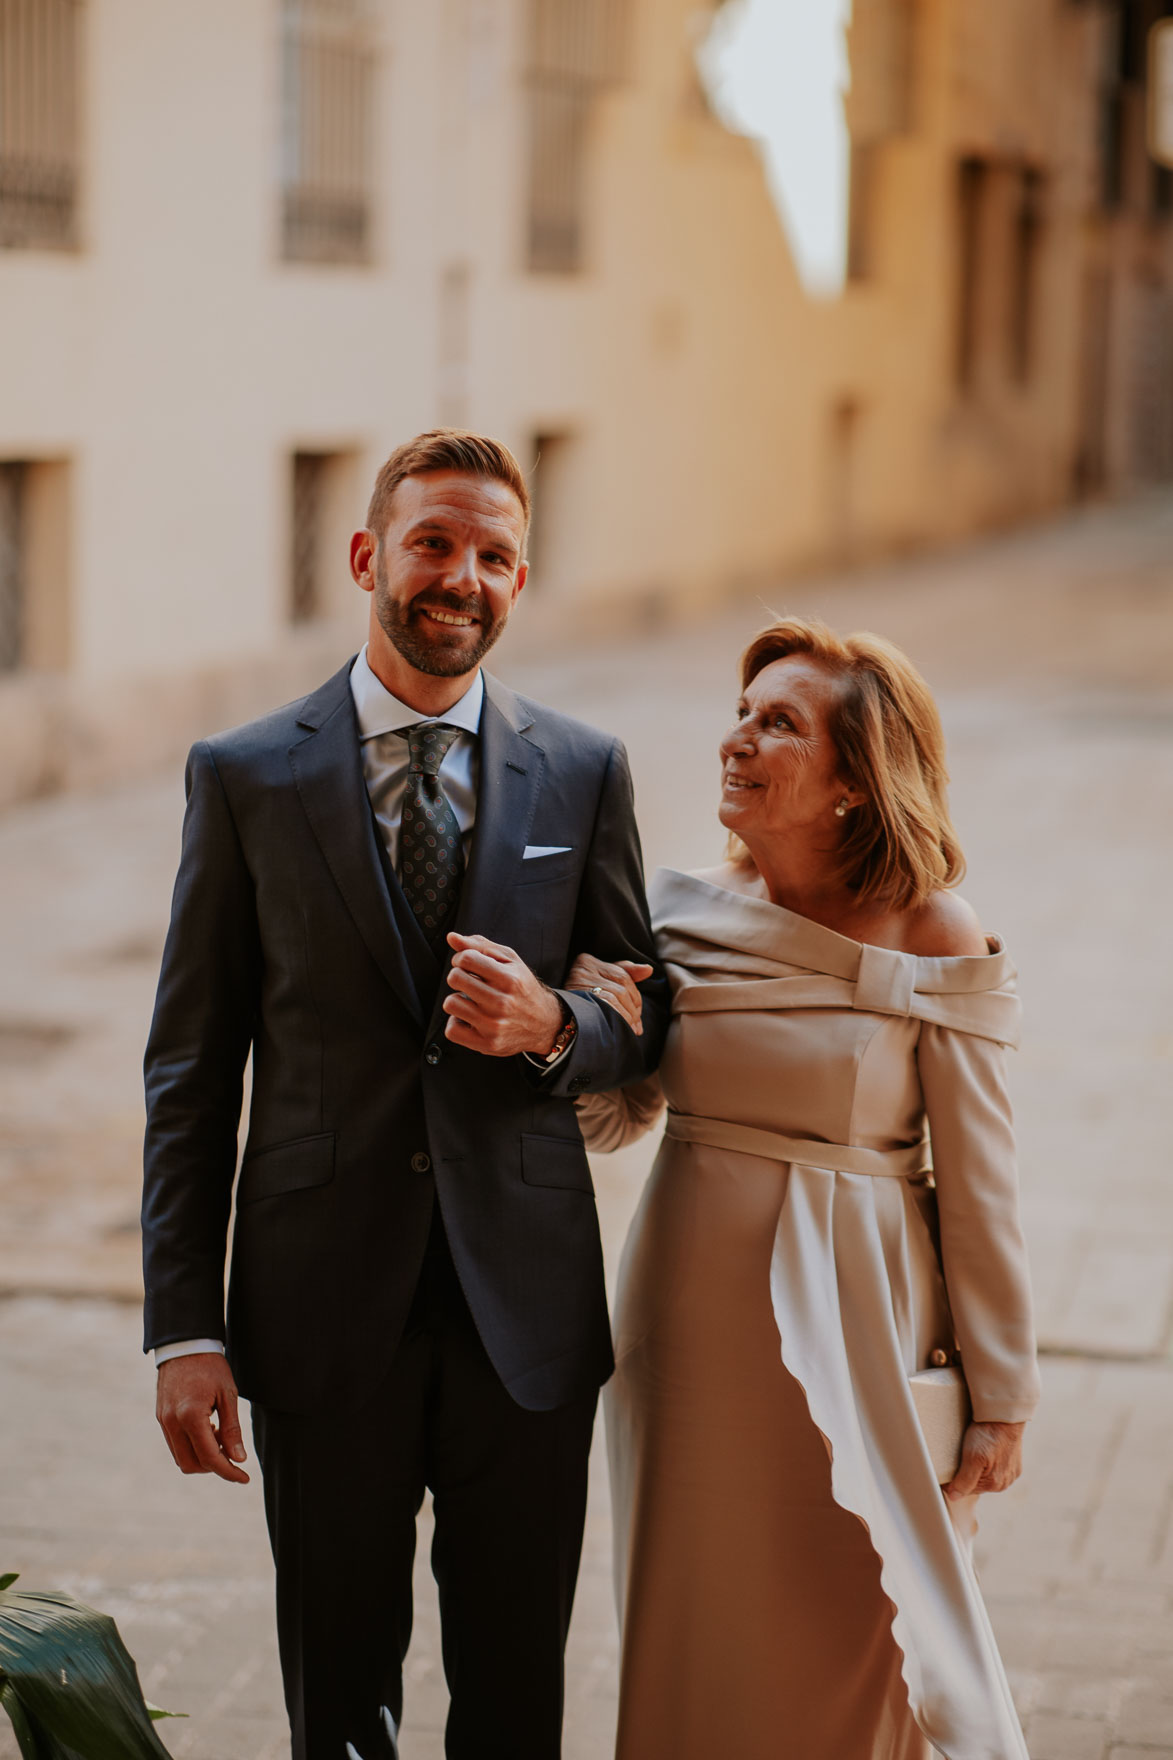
7, 1582
69, 1683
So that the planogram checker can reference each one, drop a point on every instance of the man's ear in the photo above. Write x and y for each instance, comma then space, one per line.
519, 583
362, 559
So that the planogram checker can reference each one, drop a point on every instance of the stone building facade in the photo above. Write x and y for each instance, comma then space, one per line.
246, 247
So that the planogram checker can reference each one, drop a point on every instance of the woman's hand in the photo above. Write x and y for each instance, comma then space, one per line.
991, 1459
613, 983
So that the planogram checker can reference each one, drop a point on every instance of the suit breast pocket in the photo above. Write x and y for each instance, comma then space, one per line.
562, 866
286, 1167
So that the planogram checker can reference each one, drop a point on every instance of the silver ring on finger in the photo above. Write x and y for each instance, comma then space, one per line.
597, 990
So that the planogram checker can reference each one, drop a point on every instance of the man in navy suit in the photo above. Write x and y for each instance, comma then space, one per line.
381, 889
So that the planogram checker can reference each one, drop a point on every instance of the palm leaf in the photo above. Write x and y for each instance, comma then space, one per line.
68, 1682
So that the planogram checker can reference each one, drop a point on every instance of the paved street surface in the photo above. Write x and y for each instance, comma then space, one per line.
1052, 653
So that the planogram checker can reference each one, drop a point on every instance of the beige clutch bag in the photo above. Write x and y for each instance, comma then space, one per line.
942, 1404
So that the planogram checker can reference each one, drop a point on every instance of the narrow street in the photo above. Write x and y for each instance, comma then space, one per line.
1052, 654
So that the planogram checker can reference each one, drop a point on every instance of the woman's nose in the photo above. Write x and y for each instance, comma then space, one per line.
738, 741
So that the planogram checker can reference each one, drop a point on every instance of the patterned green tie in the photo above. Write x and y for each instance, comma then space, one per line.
431, 855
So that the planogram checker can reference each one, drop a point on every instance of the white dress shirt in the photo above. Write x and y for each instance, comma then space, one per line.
383, 722
382, 725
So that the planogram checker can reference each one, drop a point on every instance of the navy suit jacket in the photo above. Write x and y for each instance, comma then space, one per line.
291, 937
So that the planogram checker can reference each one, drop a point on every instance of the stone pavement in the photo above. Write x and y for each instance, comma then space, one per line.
1052, 652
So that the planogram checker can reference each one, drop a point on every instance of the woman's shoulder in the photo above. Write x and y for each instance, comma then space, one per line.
732, 877
944, 927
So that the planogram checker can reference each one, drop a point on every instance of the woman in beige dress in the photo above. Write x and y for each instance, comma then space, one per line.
792, 1583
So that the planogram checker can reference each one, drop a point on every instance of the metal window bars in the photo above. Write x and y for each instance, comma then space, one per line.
326, 147
12, 565
577, 49
39, 49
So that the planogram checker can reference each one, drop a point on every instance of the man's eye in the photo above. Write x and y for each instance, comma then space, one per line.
783, 721
492, 557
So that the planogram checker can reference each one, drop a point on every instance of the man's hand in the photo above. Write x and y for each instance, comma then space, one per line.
190, 1390
496, 1005
991, 1459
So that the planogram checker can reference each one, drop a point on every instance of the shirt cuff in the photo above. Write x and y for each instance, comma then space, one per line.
542, 1064
187, 1347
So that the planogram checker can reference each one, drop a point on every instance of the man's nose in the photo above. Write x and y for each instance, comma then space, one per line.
462, 569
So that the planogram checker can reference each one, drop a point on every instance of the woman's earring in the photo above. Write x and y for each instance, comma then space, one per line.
841, 809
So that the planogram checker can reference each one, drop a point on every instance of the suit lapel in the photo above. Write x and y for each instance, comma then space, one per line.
327, 769
511, 776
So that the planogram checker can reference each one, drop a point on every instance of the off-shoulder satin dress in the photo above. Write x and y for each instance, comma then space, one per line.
792, 1583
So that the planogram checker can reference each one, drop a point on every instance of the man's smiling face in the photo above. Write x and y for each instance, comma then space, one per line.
447, 569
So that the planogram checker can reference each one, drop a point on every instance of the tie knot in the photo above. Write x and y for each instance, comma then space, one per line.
428, 744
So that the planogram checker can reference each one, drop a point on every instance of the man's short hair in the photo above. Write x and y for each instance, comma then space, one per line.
446, 449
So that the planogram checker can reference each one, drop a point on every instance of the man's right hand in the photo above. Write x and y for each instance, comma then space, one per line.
191, 1390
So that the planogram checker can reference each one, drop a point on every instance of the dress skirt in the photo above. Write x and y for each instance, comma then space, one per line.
755, 1624
792, 1583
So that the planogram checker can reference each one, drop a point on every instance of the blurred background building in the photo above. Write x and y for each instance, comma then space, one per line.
247, 247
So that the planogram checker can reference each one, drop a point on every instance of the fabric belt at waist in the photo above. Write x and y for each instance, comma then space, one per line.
718, 1133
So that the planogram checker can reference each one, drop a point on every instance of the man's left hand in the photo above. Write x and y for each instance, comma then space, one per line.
496, 1005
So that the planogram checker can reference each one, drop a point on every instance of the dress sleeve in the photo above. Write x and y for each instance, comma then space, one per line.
963, 1078
620, 1116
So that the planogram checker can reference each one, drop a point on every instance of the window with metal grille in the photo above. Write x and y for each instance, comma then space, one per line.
326, 149
39, 43
309, 490
326, 506
576, 51
12, 565
552, 487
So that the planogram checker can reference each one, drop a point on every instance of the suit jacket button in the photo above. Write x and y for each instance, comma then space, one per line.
432, 1054
420, 1163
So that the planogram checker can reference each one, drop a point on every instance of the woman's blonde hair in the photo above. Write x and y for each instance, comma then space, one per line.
900, 846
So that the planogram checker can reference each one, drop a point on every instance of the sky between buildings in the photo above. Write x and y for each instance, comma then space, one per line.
777, 70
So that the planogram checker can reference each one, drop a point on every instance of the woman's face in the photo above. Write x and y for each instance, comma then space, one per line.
780, 769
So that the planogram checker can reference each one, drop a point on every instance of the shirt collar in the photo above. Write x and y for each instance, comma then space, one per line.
380, 712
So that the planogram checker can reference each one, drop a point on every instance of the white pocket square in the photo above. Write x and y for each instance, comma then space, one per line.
545, 849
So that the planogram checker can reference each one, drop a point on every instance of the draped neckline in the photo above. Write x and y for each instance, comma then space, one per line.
724, 917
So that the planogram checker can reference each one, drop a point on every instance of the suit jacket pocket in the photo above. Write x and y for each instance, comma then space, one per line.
545, 870
555, 1161
286, 1167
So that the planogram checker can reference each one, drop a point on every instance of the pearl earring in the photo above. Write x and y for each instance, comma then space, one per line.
841, 810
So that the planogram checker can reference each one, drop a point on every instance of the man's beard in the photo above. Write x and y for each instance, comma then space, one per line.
427, 653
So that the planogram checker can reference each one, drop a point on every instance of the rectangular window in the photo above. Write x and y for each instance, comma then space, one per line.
305, 580
325, 510
552, 489
326, 147
12, 565
39, 45
34, 564
576, 50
